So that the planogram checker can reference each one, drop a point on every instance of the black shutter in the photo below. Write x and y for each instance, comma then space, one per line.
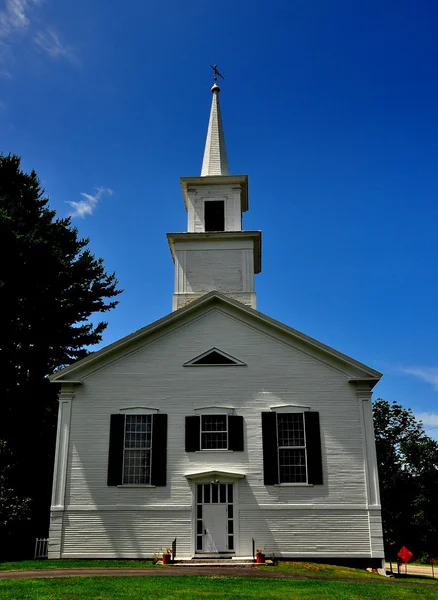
193, 432
313, 444
159, 449
235, 433
115, 453
270, 454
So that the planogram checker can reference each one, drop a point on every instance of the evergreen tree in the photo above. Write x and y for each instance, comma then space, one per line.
50, 286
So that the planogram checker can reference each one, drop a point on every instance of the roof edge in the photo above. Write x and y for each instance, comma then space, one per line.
215, 296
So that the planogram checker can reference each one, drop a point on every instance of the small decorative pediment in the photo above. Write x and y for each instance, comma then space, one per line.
214, 358
138, 410
214, 410
289, 408
214, 476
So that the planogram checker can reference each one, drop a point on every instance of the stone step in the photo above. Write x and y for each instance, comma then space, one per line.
213, 563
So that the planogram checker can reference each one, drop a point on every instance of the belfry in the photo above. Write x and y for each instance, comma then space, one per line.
215, 253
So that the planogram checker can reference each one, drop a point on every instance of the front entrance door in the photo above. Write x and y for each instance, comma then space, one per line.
214, 518
215, 527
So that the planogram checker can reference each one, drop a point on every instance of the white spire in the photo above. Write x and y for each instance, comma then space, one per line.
215, 154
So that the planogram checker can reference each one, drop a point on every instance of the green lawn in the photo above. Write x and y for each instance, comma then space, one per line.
316, 569
202, 588
31, 565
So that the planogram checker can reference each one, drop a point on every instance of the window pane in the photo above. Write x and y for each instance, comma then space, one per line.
230, 511
207, 493
199, 493
292, 465
136, 467
230, 527
230, 542
290, 429
214, 493
214, 432
214, 441
199, 511
199, 543
138, 429
214, 422
230, 493
199, 527
223, 493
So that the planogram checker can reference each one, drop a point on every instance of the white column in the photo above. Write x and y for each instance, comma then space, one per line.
364, 393
60, 470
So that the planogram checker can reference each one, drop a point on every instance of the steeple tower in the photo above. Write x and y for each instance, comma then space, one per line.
215, 253
215, 154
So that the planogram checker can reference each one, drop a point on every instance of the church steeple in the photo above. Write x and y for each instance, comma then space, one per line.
215, 154
215, 253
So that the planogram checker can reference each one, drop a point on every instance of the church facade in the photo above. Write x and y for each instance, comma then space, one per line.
216, 426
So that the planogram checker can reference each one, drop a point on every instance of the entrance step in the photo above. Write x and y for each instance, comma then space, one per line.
215, 561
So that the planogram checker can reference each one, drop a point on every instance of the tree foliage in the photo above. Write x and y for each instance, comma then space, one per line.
408, 472
50, 286
13, 509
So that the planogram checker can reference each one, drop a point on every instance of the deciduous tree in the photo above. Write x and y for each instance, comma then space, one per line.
408, 473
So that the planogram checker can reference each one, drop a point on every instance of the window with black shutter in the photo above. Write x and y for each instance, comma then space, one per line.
291, 448
214, 432
137, 449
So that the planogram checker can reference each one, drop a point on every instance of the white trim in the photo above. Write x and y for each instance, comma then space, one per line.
122, 347
228, 476
285, 484
235, 362
62, 445
123, 507
136, 485
362, 508
212, 450
371, 456
214, 410
139, 410
289, 408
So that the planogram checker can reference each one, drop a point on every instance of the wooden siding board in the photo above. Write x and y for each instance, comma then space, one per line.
154, 376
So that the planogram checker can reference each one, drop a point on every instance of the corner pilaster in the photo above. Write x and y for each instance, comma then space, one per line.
66, 396
364, 394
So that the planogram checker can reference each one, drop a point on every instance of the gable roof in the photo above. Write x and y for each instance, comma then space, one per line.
357, 370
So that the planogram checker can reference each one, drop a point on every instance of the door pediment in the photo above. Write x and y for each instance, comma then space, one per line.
214, 476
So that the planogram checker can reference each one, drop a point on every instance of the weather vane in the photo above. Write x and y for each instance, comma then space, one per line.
216, 73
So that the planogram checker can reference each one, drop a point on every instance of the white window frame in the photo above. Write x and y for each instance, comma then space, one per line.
125, 449
201, 431
294, 412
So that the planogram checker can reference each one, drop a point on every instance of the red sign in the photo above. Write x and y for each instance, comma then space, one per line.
405, 554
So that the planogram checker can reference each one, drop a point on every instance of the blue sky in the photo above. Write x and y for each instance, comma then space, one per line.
330, 107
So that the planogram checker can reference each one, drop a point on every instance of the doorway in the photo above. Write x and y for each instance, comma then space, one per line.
214, 518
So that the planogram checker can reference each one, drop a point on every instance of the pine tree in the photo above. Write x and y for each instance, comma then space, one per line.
50, 286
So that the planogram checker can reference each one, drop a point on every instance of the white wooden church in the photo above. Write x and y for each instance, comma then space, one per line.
216, 425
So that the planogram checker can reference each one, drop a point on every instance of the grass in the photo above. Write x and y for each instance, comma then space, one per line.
206, 588
32, 565
316, 569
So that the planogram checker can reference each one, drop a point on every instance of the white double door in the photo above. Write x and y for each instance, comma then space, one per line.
214, 517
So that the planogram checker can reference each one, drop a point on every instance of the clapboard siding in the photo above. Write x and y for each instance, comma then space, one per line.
306, 533
208, 270
130, 534
153, 376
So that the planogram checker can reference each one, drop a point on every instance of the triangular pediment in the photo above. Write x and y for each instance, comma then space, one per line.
214, 358
355, 371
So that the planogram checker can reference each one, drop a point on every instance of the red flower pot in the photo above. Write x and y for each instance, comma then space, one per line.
260, 558
166, 559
